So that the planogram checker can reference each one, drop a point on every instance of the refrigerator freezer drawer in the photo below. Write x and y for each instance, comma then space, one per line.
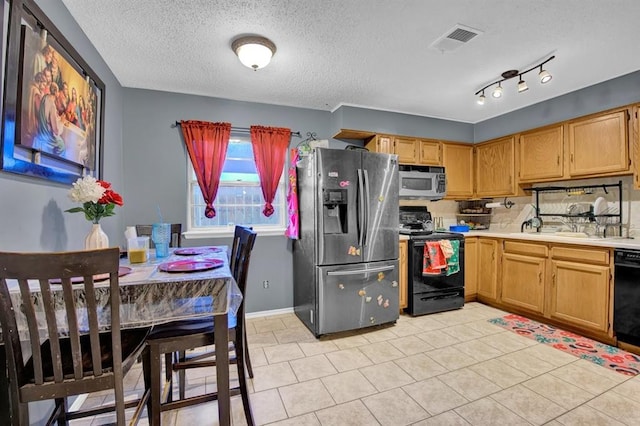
357, 296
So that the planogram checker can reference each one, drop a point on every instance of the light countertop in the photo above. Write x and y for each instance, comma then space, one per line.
612, 242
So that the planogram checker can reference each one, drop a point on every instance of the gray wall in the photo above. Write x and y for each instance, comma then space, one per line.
32, 214
155, 164
347, 117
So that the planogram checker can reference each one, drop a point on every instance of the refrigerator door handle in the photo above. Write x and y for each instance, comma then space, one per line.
361, 271
361, 212
365, 204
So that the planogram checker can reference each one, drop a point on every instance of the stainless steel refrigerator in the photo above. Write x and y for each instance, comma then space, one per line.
346, 260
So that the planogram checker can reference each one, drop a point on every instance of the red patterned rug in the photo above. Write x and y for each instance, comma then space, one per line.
607, 356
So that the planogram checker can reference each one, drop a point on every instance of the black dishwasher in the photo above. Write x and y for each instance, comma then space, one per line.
626, 296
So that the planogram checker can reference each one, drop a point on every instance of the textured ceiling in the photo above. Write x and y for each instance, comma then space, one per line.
369, 53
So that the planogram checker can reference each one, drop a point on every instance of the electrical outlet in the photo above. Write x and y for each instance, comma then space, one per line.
265, 284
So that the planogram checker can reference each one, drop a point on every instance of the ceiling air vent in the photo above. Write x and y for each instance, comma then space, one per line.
454, 38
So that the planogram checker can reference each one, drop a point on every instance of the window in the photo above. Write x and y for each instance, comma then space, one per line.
239, 199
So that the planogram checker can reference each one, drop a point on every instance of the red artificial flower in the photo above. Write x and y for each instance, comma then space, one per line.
110, 196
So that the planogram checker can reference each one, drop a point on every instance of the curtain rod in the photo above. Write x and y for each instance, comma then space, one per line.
242, 130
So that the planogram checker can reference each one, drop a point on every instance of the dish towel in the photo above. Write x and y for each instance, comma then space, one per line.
433, 259
451, 251
293, 228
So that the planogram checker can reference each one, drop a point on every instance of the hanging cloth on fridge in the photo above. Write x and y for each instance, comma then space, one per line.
433, 259
293, 227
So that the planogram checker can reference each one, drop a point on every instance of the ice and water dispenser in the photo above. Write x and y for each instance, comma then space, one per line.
334, 211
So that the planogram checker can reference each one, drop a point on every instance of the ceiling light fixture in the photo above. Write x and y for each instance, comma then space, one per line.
254, 51
543, 75
522, 85
481, 99
497, 92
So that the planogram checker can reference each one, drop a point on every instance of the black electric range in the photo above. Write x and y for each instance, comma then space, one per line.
429, 293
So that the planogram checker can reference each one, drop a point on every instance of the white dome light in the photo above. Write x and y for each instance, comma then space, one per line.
254, 52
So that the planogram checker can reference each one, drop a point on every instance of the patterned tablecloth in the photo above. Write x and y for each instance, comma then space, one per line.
150, 296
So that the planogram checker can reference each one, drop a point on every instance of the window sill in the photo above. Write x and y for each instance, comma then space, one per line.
200, 234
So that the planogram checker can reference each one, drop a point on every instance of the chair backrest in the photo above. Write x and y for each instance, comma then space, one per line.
176, 234
242, 256
47, 306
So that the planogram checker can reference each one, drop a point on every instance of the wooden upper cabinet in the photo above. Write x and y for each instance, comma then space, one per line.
599, 145
407, 150
457, 160
541, 154
418, 151
430, 151
380, 143
495, 168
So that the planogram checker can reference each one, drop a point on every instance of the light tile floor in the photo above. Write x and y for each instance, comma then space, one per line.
450, 368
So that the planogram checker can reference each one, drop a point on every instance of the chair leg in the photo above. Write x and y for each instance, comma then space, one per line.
247, 358
62, 407
152, 358
146, 374
241, 356
168, 374
182, 375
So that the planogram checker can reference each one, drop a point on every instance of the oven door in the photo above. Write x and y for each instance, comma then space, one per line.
421, 283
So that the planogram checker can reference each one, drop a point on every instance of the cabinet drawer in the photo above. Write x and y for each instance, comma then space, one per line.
581, 255
528, 249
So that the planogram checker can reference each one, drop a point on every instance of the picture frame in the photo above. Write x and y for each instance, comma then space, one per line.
54, 103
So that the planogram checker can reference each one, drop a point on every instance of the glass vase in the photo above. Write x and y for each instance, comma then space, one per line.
96, 239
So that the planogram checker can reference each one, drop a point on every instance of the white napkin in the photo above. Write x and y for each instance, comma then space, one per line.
130, 232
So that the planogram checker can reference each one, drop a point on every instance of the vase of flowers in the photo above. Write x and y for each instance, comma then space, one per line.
98, 201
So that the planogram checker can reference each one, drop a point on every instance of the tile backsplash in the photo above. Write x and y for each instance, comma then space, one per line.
510, 219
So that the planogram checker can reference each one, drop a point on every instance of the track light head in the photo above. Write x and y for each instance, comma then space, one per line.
497, 92
544, 76
522, 85
481, 99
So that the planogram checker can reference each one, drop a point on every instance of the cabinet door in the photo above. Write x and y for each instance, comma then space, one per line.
470, 268
599, 145
458, 166
403, 274
406, 149
488, 268
495, 168
380, 143
580, 294
541, 154
430, 152
523, 281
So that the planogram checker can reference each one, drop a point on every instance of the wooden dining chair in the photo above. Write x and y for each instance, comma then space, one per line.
176, 234
51, 301
181, 336
235, 261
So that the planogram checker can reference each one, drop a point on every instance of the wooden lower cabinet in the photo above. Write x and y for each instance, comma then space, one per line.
470, 268
523, 283
488, 256
403, 274
570, 285
580, 294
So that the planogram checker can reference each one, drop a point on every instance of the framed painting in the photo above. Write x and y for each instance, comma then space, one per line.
54, 103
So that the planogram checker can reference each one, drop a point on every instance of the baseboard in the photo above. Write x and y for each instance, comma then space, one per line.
270, 313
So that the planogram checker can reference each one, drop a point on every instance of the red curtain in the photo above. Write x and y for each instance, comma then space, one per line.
207, 146
270, 150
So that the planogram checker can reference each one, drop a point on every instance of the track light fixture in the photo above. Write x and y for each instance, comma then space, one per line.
543, 75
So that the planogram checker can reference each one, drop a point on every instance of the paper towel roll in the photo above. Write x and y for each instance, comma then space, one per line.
493, 205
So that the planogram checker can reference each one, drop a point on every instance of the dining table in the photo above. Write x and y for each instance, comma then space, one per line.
189, 283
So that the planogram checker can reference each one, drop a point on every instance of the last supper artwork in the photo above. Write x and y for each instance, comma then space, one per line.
58, 104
